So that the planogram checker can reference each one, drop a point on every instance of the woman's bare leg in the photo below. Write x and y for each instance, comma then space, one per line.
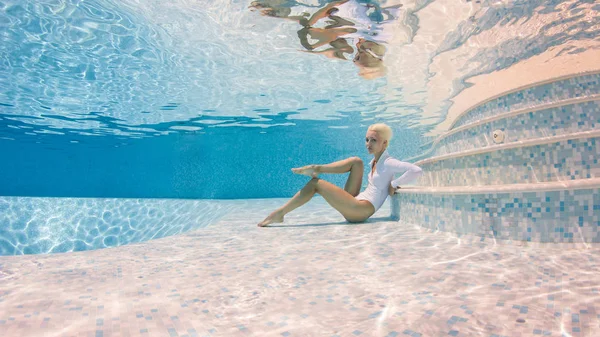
354, 165
353, 210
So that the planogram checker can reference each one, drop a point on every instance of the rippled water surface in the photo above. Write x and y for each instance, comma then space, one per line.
147, 68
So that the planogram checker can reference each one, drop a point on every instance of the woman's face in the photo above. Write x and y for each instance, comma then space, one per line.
374, 143
366, 58
368, 54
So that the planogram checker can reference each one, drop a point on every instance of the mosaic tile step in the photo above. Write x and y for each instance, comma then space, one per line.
313, 275
576, 184
570, 216
582, 116
579, 86
556, 161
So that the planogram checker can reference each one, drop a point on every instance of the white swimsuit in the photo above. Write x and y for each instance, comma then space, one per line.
379, 181
367, 28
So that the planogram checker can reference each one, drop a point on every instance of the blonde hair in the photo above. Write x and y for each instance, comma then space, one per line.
383, 130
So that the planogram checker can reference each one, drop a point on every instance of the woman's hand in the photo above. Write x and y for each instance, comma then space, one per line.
392, 190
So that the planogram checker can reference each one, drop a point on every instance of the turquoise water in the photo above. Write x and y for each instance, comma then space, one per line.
212, 100
57, 225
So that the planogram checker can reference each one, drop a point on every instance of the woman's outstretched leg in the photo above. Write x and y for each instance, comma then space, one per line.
353, 210
299, 199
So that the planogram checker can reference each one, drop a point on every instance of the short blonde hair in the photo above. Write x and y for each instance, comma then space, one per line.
383, 130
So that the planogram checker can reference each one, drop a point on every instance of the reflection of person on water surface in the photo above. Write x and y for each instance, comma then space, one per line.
334, 24
279, 9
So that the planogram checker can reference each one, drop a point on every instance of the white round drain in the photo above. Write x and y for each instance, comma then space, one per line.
498, 136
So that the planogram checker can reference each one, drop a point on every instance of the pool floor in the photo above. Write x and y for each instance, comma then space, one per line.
315, 275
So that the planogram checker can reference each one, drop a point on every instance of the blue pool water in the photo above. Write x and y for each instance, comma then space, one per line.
55, 225
137, 118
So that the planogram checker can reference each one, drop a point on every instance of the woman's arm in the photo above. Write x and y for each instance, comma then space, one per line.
411, 171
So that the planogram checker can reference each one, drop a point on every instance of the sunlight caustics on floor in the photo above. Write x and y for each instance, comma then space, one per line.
313, 275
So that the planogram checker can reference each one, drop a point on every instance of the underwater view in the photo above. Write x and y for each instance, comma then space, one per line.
415, 168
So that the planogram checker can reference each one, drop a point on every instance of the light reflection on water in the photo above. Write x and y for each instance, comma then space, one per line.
146, 68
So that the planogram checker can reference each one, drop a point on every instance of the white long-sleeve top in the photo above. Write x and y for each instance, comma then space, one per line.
383, 175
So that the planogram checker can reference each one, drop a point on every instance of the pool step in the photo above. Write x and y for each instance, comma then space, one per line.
558, 212
541, 183
505, 188
564, 157
569, 116
537, 94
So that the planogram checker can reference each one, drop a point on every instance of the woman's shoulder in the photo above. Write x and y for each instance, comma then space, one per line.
390, 159
392, 162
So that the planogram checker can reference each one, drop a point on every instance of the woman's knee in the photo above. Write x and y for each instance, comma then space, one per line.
356, 161
313, 183
316, 184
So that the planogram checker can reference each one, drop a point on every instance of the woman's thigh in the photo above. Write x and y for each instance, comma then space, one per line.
353, 210
354, 181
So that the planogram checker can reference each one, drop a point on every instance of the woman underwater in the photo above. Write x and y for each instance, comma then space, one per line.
353, 206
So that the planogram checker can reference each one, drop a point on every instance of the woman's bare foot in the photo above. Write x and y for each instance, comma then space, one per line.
308, 170
275, 217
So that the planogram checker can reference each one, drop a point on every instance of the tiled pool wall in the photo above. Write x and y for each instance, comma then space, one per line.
559, 161
566, 109
555, 121
576, 86
570, 216
58, 225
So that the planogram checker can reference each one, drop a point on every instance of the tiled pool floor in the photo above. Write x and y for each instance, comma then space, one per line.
315, 275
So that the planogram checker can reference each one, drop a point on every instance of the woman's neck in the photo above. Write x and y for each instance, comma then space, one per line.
378, 155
